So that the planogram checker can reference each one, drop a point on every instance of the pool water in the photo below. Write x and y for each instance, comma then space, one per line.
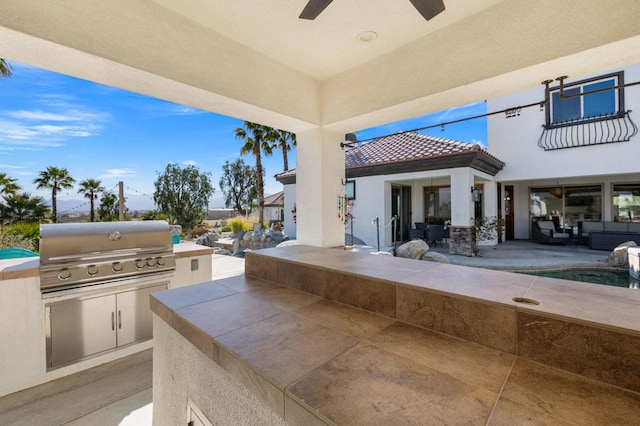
595, 276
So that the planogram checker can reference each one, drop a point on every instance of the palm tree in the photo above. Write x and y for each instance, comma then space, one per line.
6, 69
22, 207
8, 185
55, 179
256, 140
281, 139
90, 188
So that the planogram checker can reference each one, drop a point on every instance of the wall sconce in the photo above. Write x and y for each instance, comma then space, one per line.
475, 194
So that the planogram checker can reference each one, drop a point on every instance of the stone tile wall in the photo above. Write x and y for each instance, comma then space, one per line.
461, 240
580, 346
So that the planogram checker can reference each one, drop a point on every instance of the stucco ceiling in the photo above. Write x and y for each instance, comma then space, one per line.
329, 44
255, 60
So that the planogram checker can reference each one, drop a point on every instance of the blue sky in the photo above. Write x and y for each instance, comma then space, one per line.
100, 132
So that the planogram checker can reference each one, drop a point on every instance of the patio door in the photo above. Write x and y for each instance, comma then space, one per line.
401, 208
508, 213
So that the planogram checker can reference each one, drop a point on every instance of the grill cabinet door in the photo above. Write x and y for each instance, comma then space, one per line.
134, 321
81, 327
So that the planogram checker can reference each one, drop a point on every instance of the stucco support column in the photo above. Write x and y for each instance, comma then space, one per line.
490, 204
490, 199
461, 200
319, 174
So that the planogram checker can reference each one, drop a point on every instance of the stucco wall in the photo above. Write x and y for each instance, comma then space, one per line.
515, 140
182, 372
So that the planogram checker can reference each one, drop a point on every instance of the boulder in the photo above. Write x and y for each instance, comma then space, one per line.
237, 249
620, 255
414, 249
433, 256
248, 236
382, 253
288, 243
218, 250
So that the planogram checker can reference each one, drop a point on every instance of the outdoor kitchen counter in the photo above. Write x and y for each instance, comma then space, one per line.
22, 315
24, 267
190, 249
322, 335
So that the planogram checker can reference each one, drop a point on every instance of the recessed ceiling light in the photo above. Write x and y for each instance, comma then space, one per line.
367, 36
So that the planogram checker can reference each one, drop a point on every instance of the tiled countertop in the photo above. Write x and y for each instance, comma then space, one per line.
190, 249
24, 267
319, 340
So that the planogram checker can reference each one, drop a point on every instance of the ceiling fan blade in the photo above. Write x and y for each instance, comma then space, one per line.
314, 8
428, 8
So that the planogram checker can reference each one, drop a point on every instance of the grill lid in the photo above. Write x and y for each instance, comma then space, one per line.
66, 243
80, 254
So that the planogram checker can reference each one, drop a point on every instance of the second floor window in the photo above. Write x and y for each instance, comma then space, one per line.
603, 104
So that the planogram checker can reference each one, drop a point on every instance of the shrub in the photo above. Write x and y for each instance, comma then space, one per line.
238, 224
22, 233
15, 241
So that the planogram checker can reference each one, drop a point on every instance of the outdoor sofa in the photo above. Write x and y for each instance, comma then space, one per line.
607, 235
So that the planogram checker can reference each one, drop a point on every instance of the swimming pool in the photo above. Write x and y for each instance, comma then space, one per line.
595, 276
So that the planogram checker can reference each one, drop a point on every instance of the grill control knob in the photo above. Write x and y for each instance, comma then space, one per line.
151, 263
140, 264
65, 274
92, 270
117, 267
160, 261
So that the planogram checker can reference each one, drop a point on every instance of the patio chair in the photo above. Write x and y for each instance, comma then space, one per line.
435, 234
545, 232
419, 232
416, 234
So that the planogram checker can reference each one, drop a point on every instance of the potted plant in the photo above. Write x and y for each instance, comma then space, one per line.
485, 229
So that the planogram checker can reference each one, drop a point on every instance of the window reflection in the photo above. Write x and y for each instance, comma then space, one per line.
626, 202
567, 205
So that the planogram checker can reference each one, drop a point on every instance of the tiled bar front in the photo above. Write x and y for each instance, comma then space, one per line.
324, 335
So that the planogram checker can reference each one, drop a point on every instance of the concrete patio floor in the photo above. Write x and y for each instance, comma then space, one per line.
523, 255
120, 392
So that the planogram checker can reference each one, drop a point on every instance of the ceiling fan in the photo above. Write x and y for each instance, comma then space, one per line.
427, 8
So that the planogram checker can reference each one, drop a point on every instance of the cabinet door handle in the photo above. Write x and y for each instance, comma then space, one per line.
113, 320
119, 319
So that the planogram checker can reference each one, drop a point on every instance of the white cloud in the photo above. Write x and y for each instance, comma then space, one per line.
69, 115
184, 110
37, 129
190, 163
118, 173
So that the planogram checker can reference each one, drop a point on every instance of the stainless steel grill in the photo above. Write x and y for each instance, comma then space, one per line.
83, 254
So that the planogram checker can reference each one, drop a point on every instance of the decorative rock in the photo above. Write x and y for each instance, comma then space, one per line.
620, 256
433, 256
248, 236
288, 243
413, 249
382, 253
208, 239
218, 250
175, 229
237, 249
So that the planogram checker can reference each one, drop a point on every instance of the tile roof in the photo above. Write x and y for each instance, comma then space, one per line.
407, 148
276, 199
401, 147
